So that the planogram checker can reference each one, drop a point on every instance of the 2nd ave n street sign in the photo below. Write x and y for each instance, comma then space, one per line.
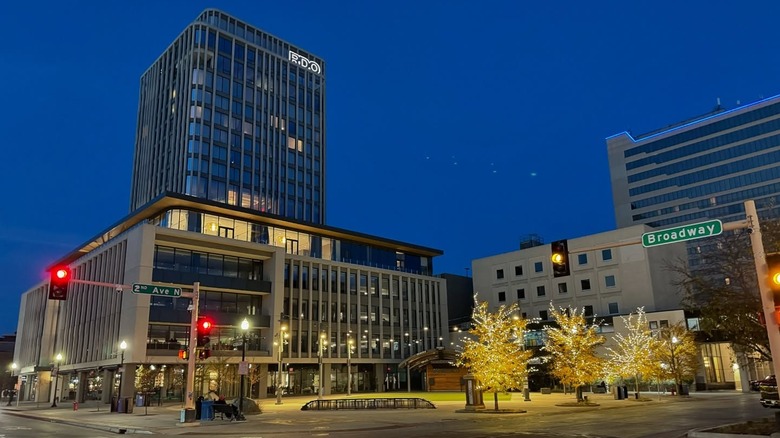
683, 233
150, 289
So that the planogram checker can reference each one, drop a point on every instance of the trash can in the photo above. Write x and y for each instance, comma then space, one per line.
625, 392
187, 416
128, 403
618, 391
198, 403
206, 410
139, 400
683, 389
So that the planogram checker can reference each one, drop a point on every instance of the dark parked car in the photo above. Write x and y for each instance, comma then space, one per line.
768, 381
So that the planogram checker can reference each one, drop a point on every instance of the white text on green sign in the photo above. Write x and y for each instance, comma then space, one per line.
150, 289
683, 233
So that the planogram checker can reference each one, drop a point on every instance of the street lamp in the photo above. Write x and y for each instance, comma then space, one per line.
11, 397
349, 364
319, 359
57, 379
280, 346
244, 328
122, 348
673, 366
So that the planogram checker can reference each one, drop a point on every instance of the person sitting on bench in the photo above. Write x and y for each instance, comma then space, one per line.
231, 413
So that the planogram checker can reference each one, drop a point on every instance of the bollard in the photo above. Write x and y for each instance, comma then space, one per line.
75, 406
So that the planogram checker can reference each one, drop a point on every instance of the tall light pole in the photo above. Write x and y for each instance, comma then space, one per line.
57, 379
319, 359
122, 348
349, 363
282, 337
11, 397
673, 365
244, 328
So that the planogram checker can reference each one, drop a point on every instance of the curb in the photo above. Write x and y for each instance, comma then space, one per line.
120, 430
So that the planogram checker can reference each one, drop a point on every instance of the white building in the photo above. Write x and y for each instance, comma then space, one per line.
611, 274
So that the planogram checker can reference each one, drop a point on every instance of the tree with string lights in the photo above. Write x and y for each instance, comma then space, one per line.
633, 353
494, 352
572, 344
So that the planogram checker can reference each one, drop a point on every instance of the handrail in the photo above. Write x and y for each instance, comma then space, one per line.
368, 403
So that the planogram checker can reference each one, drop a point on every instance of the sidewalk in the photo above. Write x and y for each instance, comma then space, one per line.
288, 418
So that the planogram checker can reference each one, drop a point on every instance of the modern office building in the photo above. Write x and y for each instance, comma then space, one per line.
700, 169
329, 288
611, 274
235, 115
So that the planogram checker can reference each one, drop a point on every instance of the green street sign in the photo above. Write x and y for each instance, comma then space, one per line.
683, 233
150, 289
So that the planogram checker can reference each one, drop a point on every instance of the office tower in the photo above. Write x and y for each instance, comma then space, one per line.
700, 169
235, 115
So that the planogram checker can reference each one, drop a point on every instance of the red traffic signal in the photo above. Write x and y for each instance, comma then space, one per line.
203, 330
58, 283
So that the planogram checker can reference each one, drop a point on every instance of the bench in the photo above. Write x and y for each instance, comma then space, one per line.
225, 411
599, 390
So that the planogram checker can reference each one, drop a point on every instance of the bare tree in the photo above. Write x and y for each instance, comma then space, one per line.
722, 289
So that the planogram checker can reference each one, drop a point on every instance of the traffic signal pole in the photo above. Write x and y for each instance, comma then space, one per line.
189, 402
767, 296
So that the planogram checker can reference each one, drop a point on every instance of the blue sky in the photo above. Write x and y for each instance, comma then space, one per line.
458, 125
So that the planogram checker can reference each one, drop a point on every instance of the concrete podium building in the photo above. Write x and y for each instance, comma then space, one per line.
345, 288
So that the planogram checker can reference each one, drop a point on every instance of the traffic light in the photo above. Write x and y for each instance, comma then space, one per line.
560, 258
58, 284
204, 329
184, 354
773, 274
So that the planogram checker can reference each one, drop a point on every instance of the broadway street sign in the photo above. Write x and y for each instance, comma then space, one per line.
150, 289
683, 233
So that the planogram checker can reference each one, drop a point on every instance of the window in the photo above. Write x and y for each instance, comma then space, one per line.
664, 323
540, 291
519, 270
521, 294
585, 284
653, 325
609, 280
606, 254
613, 308
588, 311
499, 274
562, 288
538, 267
543, 315
501, 297
582, 259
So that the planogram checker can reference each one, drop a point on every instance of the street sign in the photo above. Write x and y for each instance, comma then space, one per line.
683, 233
243, 368
150, 289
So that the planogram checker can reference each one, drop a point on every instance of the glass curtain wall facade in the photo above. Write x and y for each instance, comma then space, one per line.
702, 169
235, 115
296, 242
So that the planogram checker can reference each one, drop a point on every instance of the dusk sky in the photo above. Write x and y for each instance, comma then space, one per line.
457, 125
